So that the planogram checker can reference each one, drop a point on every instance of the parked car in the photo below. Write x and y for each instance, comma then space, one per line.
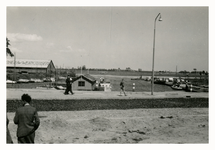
10, 81
47, 80
35, 80
23, 81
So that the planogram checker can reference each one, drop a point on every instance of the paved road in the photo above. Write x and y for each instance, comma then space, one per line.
43, 93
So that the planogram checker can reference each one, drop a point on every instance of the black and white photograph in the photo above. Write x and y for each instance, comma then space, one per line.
107, 74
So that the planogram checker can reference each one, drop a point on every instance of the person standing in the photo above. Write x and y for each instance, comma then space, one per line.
122, 87
68, 86
9, 139
27, 120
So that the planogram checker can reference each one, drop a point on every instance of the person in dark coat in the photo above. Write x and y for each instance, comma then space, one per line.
9, 139
68, 86
27, 119
122, 87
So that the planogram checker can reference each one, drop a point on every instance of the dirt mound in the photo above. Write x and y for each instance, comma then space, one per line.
56, 122
58, 125
100, 123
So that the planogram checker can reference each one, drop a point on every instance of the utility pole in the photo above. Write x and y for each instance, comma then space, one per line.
153, 58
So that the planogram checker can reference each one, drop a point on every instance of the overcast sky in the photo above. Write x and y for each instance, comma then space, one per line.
111, 37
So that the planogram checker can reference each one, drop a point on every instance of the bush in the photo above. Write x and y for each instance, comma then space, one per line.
108, 104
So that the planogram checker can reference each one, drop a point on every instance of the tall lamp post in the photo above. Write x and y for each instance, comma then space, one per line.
152, 81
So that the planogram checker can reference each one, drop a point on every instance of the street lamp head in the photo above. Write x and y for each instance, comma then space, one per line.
160, 19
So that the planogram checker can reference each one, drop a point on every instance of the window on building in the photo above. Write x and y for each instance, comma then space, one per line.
81, 83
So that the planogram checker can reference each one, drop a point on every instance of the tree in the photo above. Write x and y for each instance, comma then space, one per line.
184, 72
84, 67
128, 68
195, 70
8, 51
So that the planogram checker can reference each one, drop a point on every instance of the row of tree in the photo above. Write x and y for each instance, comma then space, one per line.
195, 72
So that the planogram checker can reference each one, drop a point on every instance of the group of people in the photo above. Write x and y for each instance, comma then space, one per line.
27, 120
69, 86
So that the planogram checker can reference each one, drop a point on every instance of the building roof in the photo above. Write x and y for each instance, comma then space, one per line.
87, 77
28, 63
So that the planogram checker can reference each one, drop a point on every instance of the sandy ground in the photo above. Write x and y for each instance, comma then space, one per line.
175, 125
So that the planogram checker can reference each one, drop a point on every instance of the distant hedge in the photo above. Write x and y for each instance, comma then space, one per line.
108, 104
